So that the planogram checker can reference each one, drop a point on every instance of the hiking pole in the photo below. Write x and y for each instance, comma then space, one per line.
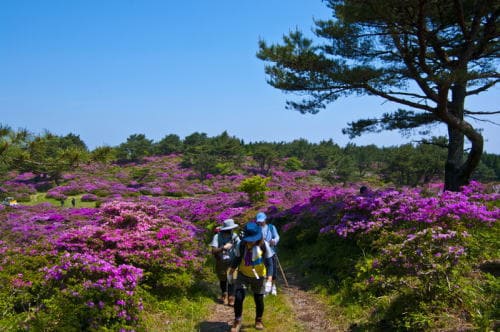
281, 269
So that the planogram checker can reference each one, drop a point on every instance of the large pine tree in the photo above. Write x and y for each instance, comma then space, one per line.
426, 55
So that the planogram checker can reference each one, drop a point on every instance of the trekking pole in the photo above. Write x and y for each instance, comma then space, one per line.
281, 269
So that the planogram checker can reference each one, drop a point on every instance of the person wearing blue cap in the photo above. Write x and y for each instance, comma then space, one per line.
255, 271
271, 236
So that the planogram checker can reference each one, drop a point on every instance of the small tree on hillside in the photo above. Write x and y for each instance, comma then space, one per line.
169, 144
46, 157
265, 156
228, 149
135, 148
103, 154
11, 144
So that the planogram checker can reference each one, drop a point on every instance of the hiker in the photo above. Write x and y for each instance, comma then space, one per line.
255, 271
271, 236
365, 191
222, 248
73, 202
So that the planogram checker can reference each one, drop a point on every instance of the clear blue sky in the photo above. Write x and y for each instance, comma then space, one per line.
107, 69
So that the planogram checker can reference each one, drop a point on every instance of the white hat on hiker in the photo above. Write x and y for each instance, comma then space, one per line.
228, 224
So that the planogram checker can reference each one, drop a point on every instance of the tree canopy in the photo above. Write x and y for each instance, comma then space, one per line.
425, 55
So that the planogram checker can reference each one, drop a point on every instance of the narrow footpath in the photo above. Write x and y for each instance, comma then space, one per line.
307, 311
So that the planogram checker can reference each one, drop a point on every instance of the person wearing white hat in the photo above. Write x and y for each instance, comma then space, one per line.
223, 244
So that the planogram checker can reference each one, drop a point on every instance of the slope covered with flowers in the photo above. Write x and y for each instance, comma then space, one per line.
146, 229
424, 258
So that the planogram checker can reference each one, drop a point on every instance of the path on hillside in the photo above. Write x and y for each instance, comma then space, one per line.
310, 313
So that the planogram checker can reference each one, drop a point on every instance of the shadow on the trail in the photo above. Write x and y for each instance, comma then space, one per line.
213, 327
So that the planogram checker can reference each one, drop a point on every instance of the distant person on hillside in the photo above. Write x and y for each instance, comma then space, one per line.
73, 202
364, 191
62, 202
255, 271
223, 244
271, 236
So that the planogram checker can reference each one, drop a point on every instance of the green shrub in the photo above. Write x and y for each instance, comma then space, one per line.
255, 187
101, 192
141, 174
293, 164
224, 168
21, 289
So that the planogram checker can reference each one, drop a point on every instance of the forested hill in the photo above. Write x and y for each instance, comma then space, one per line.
50, 155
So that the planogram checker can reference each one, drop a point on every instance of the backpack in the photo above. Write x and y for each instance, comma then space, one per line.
243, 248
258, 269
227, 256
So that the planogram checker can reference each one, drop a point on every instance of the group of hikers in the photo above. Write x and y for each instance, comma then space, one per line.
246, 260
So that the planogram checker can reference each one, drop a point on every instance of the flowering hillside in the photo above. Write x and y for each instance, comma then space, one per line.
139, 229
417, 255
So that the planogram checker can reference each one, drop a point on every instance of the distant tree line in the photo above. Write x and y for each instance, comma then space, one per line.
48, 156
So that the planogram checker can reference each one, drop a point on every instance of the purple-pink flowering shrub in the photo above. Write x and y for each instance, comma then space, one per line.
18, 189
416, 244
365, 214
141, 235
91, 293
55, 194
88, 198
68, 190
430, 258
105, 254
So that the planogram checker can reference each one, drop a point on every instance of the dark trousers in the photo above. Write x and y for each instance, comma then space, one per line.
238, 304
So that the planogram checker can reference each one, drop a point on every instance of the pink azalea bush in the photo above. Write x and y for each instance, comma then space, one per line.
94, 292
410, 242
89, 263
141, 235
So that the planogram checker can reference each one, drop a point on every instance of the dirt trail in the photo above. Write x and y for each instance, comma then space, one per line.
220, 319
309, 312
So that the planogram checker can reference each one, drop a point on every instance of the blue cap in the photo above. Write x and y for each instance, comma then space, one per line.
252, 232
260, 217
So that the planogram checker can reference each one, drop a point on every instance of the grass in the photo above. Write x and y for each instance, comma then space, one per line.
40, 198
278, 316
183, 314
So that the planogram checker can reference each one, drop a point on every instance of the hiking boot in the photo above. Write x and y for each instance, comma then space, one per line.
258, 324
236, 325
230, 301
274, 291
223, 299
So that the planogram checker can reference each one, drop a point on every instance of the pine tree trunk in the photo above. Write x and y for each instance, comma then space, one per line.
453, 178
457, 171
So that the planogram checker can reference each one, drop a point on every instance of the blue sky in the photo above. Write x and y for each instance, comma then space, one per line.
107, 69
